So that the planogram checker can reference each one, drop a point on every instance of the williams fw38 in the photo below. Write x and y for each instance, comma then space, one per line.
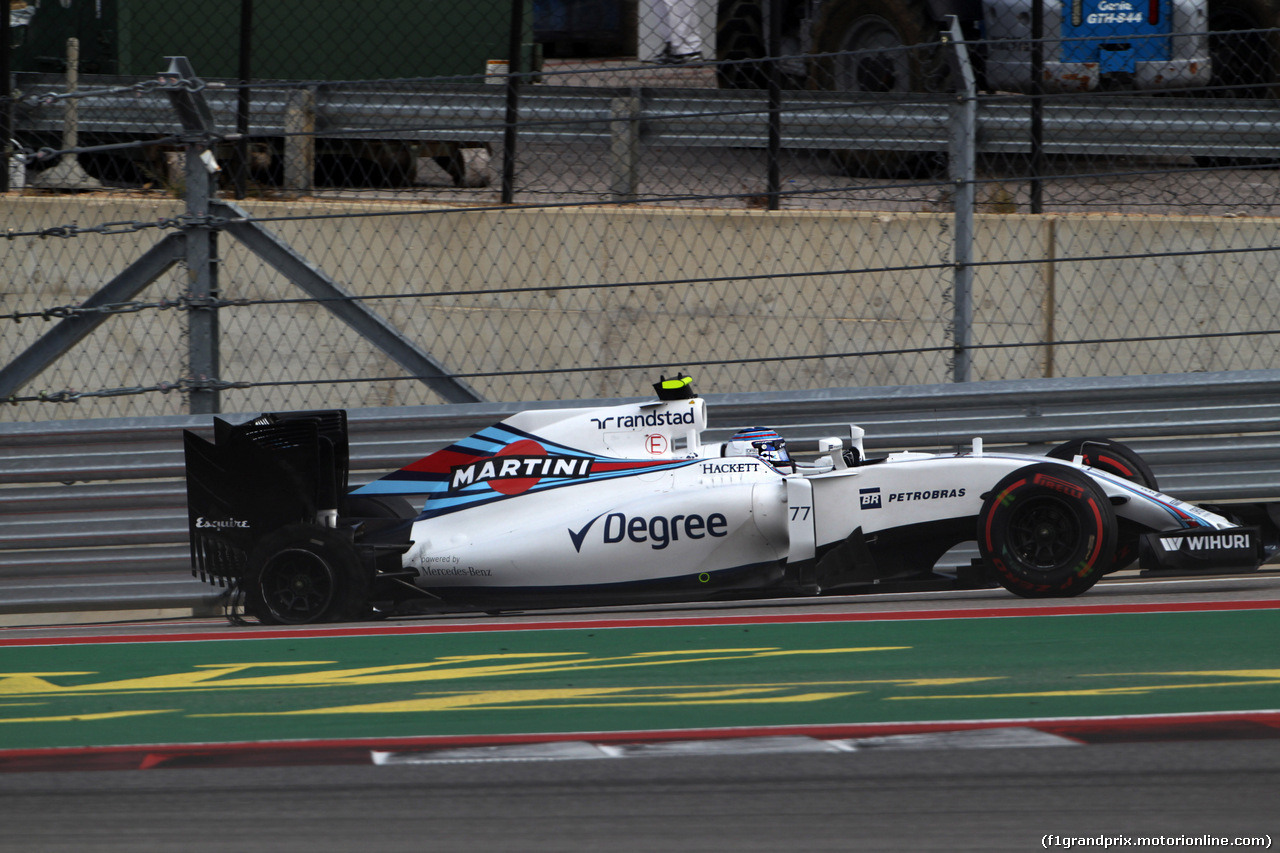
627, 504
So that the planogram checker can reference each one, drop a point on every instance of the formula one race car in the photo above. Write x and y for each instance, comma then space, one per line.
626, 503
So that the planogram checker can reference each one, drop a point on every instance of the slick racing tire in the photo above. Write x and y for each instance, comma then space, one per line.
1118, 459
1110, 456
357, 511
355, 508
375, 506
301, 574
1047, 531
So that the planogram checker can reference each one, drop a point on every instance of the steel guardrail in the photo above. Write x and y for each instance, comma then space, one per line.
444, 110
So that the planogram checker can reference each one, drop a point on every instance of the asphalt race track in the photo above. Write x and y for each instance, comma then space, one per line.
1143, 714
961, 799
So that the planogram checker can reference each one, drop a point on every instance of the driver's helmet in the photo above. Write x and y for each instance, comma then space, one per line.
762, 442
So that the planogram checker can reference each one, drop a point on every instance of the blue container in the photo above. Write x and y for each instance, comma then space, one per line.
1116, 34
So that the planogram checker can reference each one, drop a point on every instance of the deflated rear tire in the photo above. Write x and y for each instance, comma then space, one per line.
302, 574
1047, 531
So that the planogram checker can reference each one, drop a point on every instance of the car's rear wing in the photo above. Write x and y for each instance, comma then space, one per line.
258, 476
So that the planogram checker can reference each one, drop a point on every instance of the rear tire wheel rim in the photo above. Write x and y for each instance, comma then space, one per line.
297, 585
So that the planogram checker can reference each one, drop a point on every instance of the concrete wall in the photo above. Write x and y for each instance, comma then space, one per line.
773, 286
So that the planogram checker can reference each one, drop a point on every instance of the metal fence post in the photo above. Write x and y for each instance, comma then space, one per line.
1037, 107
624, 145
6, 101
510, 135
773, 179
300, 140
202, 288
187, 99
240, 177
961, 151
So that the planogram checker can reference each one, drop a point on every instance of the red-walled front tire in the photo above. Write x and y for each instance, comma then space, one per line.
1047, 531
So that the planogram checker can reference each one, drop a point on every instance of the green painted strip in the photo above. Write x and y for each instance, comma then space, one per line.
626, 679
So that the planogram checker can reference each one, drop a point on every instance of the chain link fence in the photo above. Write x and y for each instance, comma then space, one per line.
415, 203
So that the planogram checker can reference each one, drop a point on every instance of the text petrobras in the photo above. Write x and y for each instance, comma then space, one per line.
872, 499
518, 468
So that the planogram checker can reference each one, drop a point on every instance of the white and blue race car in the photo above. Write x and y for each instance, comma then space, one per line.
627, 503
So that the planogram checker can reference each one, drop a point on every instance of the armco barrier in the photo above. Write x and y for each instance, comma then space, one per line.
83, 500
572, 114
